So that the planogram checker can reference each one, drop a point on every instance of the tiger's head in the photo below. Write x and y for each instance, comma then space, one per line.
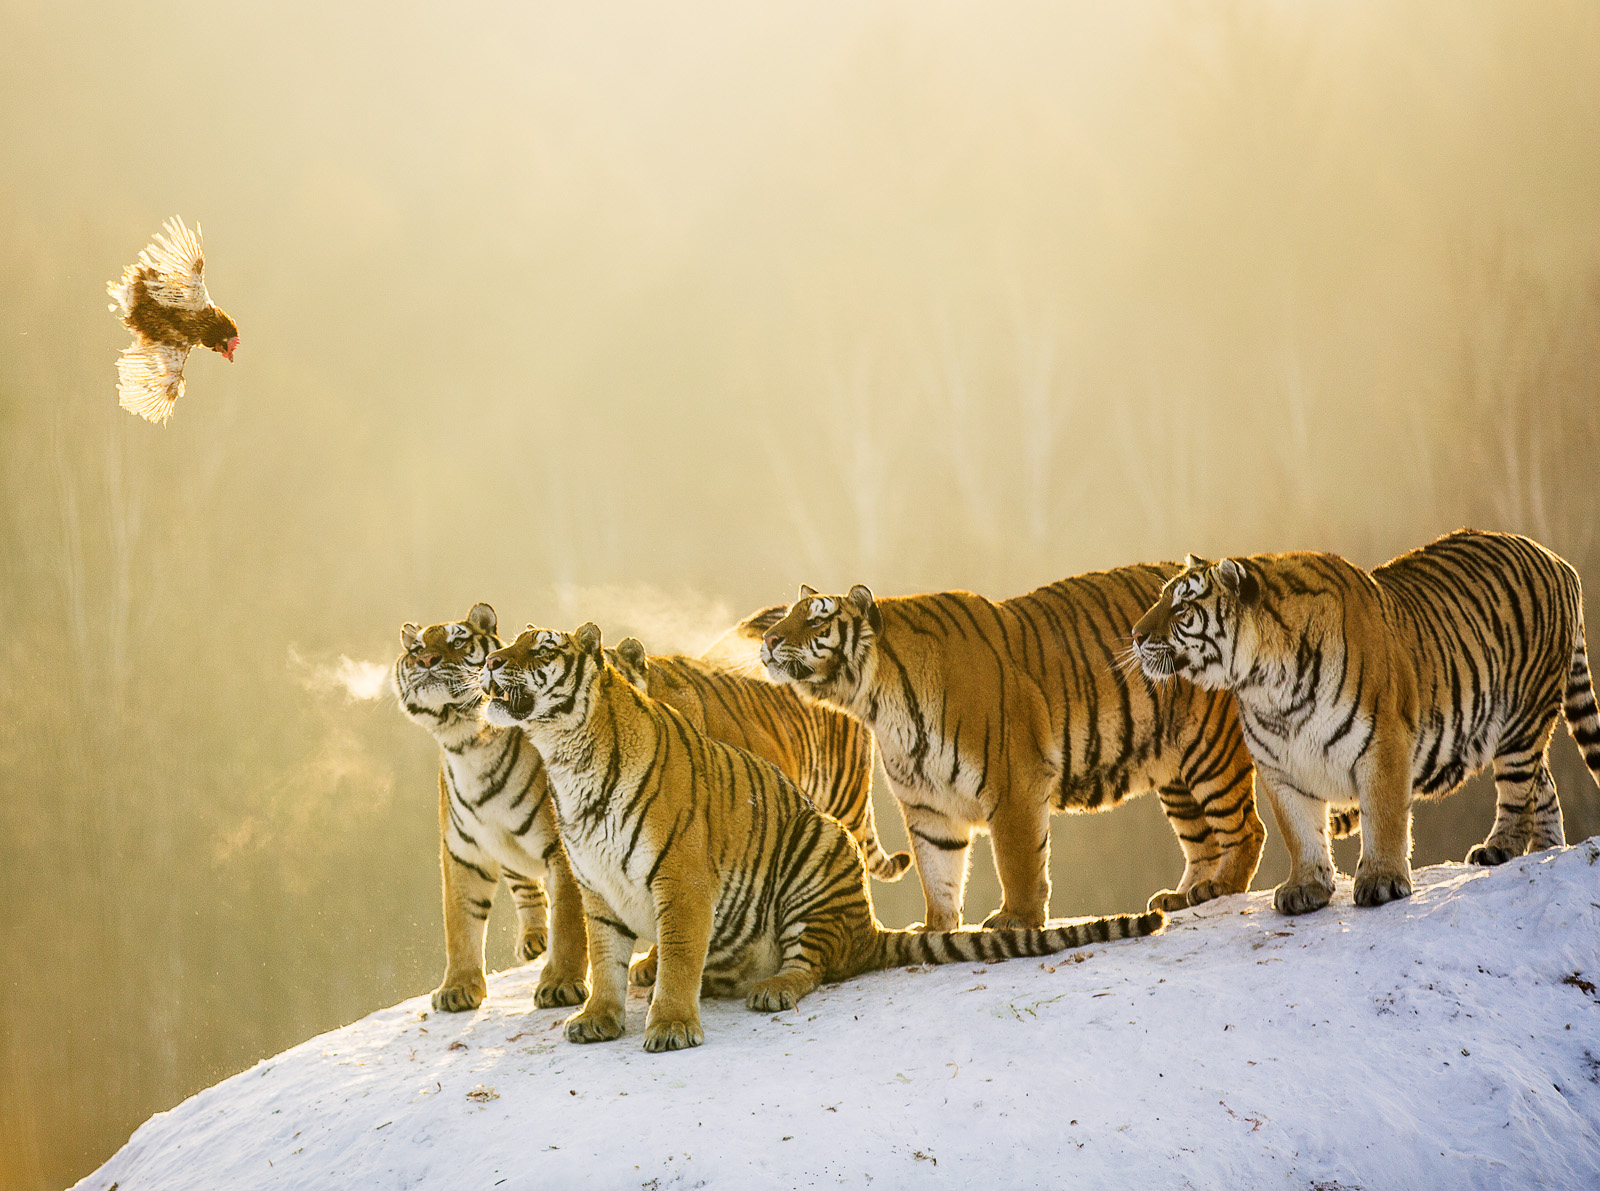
436, 674
542, 676
823, 645
1193, 628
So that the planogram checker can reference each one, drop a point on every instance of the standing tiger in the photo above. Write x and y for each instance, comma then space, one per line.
495, 816
1369, 688
991, 715
708, 851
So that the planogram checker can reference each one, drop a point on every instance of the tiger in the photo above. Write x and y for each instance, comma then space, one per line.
708, 851
495, 818
991, 715
1374, 688
828, 754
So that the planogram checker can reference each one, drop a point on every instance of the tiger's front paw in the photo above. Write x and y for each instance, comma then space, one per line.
1377, 886
1168, 900
1488, 854
532, 945
600, 1025
642, 971
553, 991
460, 994
673, 1035
1302, 898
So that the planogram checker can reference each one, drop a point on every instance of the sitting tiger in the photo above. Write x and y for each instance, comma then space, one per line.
706, 850
495, 816
991, 715
826, 753
1371, 688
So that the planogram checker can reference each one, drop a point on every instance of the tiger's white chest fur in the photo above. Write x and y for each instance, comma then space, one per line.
495, 788
1319, 748
930, 773
604, 855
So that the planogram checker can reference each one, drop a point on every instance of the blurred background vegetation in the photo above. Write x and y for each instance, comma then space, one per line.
648, 314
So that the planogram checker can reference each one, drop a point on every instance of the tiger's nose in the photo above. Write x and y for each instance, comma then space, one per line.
494, 663
772, 643
1139, 638
429, 660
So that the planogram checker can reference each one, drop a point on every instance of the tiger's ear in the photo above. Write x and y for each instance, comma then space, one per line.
1238, 582
806, 592
481, 619
587, 638
631, 651
1194, 561
861, 596
410, 634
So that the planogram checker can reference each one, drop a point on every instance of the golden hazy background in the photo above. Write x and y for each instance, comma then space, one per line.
648, 313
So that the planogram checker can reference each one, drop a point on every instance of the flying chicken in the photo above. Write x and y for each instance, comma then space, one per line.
162, 299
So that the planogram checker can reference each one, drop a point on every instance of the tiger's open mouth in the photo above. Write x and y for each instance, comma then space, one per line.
779, 669
517, 702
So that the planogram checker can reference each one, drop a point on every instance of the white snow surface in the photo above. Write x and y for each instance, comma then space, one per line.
1442, 1041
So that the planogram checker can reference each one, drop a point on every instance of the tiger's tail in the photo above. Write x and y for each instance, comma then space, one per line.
1582, 716
901, 948
886, 866
1345, 822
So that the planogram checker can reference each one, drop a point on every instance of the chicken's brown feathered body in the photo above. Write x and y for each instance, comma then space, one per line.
162, 299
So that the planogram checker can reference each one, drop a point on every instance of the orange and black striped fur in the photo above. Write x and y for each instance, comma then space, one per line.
826, 753
991, 715
495, 818
1369, 688
708, 851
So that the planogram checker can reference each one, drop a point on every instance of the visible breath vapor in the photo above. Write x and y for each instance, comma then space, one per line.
686, 622
359, 681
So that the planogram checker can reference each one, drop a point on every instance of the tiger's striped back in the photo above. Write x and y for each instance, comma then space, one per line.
695, 843
826, 753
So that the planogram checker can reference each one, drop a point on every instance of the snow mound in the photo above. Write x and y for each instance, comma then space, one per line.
1452, 1039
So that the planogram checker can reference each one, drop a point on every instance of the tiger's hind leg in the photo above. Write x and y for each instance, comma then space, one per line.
1526, 809
533, 932
1201, 849
1545, 828
642, 971
797, 976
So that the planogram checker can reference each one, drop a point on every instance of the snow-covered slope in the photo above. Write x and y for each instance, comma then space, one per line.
1450, 1040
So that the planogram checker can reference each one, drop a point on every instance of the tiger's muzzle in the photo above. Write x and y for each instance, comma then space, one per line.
515, 701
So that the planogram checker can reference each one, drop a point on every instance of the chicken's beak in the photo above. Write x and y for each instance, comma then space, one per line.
230, 347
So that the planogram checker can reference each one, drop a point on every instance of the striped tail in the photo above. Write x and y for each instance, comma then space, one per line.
886, 866
1583, 717
901, 948
1345, 822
